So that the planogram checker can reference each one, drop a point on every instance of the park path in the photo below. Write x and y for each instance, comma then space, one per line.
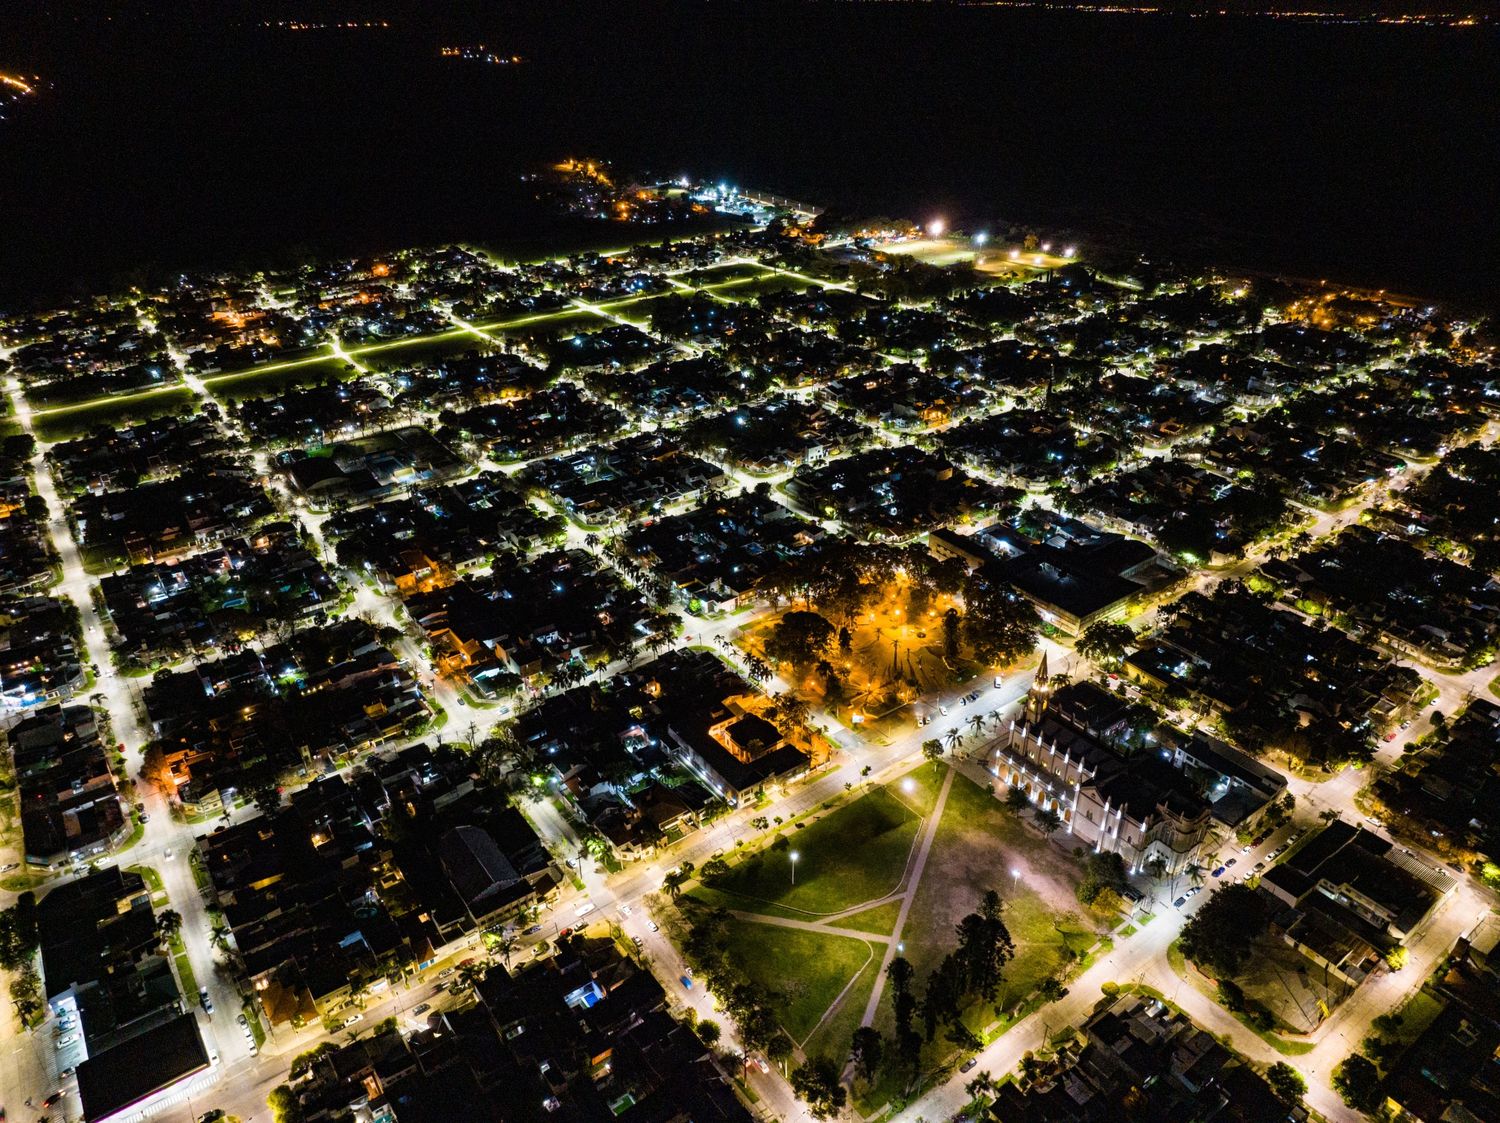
875, 902
808, 926
928, 835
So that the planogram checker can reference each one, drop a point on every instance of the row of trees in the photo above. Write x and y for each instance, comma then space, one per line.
973, 971
19, 941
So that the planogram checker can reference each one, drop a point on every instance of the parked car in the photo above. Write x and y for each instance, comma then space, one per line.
352, 1018
420, 1008
1218, 872
1177, 904
211, 1116
760, 1063
66, 1039
968, 1065
1231, 862
687, 983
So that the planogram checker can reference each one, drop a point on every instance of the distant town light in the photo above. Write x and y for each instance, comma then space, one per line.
1071, 251
1014, 254
981, 238
936, 227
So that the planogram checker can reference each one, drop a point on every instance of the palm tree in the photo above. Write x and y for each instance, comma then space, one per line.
1157, 868
1194, 870
505, 945
1046, 818
976, 722
981, 1085
953, 737
168, 924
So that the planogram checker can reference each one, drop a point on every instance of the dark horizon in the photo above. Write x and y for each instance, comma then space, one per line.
196, 141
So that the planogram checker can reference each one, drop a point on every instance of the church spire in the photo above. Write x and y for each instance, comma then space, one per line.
1040, 694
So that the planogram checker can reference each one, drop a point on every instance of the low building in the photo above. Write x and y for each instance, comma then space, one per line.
1386, 890
70, 809
129, 1080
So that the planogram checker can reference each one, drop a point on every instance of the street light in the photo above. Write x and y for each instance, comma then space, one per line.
1015, 878
794, 857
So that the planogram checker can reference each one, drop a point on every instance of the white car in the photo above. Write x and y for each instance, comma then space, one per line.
352, 1018
66, 1039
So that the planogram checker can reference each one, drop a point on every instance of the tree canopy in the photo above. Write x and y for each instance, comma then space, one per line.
800, 638
1222, 933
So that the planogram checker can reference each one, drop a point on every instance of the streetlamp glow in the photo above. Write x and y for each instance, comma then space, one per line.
794, 856
936, 227
1015, 878
981, 238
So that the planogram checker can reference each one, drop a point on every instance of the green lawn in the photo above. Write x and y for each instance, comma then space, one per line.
184, 969
833, 1037
149, 876
63, 424
277, 378
977, 845
856, 854
23, 882
806, 970
880, 920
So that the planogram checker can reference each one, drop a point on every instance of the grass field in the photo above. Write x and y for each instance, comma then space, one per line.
854, 855
978, 843
880, 920
65, 424
858, 855
280, 379
808, 970
399, 354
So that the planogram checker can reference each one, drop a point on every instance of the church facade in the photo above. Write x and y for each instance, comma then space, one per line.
1061, 755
